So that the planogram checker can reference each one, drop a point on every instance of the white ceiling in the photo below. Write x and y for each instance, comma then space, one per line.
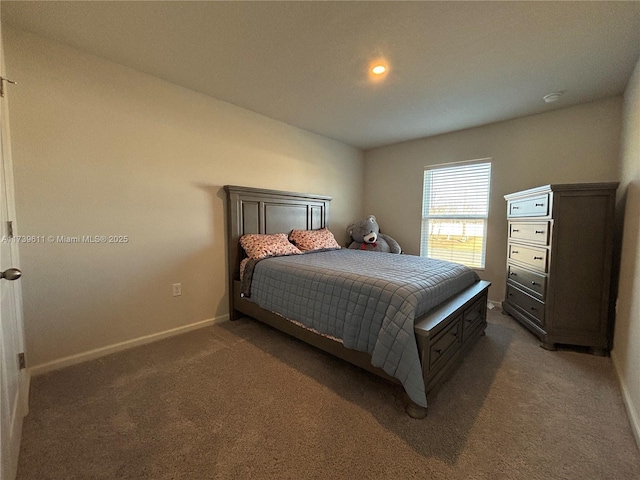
453, 65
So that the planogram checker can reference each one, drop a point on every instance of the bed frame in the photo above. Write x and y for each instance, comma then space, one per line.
444, 334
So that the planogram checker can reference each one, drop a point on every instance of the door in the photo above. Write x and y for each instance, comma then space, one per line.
13, 379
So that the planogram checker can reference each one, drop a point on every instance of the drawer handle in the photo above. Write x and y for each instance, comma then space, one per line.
515, 208
535, 283
513, 274
540, 231
537, 258
511, 294
455, 334
514, 251
515, 230
438, 351
539, 204
533, 308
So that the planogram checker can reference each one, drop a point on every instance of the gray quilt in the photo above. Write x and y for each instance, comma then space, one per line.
367, 299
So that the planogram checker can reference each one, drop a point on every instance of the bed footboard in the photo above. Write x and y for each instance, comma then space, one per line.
446, 333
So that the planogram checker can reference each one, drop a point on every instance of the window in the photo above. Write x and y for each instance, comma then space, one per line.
455, 207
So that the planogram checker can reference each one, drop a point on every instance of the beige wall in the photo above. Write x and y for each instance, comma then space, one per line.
100, 149
577, 144
626, 349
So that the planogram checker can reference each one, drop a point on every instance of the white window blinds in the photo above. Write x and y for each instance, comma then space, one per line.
455, 207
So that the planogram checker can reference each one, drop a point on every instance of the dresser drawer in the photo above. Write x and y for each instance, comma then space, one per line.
534, 232
529, 207
445, 343
533, 257
527, 304
472, 317
531, 281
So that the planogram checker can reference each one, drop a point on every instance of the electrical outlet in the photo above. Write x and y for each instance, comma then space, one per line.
177, 289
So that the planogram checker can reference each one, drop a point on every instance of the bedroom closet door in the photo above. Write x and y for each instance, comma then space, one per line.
13, 377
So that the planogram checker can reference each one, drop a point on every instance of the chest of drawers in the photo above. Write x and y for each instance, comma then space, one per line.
559, 260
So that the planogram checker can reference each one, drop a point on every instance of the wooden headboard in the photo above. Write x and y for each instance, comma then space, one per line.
256, 210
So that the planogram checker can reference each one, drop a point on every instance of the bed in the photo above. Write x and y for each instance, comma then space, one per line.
438, 338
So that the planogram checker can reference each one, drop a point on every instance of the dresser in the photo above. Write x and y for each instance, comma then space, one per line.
559, 261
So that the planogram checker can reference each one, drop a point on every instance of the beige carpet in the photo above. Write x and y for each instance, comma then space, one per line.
240, 400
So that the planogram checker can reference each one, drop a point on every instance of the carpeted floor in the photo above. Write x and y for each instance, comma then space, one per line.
241, 400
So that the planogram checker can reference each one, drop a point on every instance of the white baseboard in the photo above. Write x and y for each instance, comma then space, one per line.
497, 305
109, 349
628, 403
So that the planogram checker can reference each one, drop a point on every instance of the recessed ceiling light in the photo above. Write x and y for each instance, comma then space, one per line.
379, 69
552, 97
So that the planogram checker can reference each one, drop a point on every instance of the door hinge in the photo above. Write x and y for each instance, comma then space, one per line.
10, 229
21, 361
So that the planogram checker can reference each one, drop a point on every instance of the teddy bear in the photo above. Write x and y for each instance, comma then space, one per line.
366, 236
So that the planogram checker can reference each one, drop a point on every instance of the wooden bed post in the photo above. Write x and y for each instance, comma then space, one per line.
413, 409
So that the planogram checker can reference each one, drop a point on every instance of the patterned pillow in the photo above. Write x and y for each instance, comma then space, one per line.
308, 240
260, 246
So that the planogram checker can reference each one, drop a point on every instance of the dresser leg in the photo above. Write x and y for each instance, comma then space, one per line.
548, 346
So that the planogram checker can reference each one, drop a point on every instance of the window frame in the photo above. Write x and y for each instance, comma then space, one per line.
424, 228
